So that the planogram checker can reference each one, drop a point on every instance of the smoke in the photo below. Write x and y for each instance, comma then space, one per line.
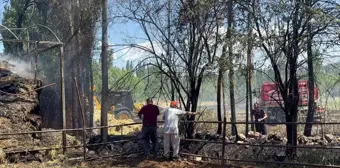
17, 66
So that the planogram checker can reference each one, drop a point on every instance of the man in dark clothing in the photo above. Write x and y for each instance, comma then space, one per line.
260, 117
149, 130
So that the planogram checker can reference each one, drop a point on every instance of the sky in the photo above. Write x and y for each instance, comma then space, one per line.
2, 4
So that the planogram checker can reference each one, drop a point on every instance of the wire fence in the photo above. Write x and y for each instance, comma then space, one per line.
224, 159
328, 124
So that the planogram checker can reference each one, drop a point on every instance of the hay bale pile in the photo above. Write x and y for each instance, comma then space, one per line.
19, 109
19, 112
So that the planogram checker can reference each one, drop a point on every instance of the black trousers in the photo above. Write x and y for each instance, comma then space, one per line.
150, 132
260, 127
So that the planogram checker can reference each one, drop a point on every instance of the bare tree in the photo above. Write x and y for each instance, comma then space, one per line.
249, 95
311, 103
105, 83
229, 43
218, 99
195, 38
281, 28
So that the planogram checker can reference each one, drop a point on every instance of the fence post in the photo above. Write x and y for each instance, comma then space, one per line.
121, 138
223, 142
83, 118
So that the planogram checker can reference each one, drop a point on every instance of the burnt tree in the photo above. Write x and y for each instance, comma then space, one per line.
195, 36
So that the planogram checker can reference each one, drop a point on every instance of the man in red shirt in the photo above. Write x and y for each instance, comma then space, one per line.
149, 129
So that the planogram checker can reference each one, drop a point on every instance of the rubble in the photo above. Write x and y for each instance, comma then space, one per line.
242, 137
248, 152
329, 137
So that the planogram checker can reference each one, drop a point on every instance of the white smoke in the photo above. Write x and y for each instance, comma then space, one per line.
18, 66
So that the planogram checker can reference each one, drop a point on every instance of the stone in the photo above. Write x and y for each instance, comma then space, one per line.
310, 143
232, 138
251, 140
239, 142
242, 137
302, 139
257, 134
275, 137
91, 153
329, 137
316, 139
322, 142
130, 147
251, 134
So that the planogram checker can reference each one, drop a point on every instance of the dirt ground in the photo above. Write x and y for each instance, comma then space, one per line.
130, 162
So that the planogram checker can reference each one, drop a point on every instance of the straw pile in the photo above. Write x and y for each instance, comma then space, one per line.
19, 108
19, 112
127, 130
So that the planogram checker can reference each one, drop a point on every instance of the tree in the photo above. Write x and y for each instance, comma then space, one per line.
131, 66
249, 102
195, 38
127, 66
230, 63
74, 24
283, 46
218, 99
311, 103
105, 84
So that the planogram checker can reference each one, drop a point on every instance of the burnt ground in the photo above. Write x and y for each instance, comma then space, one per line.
130, 162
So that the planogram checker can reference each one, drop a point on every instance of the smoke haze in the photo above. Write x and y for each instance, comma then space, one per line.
18, 66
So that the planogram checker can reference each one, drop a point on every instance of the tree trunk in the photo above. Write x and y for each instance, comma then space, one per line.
247, 106
168, 47
194, 103
91, 92
74, 100
252, 126
231, 66
104, 59
293, 95
311, 105
219, 112
172, 92
249, 69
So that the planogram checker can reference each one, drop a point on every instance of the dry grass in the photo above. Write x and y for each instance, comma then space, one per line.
2, 156
131, 162
211, 115
118, 130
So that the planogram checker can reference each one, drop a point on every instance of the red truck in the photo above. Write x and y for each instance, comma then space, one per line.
270, 97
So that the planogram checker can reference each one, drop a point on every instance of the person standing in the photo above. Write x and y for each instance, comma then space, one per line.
149, 129
171, 132
260, 117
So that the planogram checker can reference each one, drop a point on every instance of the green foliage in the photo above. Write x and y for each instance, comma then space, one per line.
119, 79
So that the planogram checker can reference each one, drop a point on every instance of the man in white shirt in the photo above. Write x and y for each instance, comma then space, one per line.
171, 132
